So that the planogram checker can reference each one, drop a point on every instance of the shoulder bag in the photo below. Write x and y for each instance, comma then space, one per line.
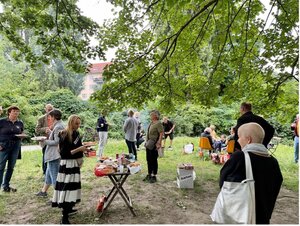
236, 201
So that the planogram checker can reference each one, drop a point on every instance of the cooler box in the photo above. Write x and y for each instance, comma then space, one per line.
185, 176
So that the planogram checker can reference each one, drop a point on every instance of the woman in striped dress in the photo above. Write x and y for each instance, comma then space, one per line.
68, 183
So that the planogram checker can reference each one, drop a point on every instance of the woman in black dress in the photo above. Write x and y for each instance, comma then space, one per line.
68, 183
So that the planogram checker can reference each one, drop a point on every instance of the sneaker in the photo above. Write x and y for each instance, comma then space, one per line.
9, 189
41, 194
152, 179
147, 178
170, 148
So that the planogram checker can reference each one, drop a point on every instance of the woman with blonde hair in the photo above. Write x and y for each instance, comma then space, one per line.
68, 183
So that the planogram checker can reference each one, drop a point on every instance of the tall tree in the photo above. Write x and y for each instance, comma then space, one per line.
200, 51
60, 31
168, 50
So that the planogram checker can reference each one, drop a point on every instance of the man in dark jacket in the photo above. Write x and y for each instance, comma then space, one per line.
265, 168
246, 117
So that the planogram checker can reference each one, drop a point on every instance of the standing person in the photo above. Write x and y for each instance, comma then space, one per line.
265, 168
153, 143
130, 128
139, 130
248, 116
1, 110
295, 128
168, 131
52, 156
43, 128
68, 183
10, 145
102, 129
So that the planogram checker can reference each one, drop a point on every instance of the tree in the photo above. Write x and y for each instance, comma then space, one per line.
176, 52
58, 27
200, 52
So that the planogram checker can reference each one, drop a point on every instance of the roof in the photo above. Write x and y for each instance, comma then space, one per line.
98, 67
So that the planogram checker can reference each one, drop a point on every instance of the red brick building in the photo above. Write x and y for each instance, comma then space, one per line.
93, 80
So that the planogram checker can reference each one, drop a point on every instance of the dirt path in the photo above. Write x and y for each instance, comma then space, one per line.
160, 203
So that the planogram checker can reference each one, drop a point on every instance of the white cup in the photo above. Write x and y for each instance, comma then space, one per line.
121, 168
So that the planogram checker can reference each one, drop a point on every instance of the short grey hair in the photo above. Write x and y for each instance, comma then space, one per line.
156, 113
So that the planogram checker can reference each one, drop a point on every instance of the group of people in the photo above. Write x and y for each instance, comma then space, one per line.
133, 131
252, 135
63, 154
157, 132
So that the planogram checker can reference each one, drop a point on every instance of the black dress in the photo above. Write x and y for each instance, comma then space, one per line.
68, 183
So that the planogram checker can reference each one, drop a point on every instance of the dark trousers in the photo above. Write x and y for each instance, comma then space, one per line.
151, 156
44, 164
131, 147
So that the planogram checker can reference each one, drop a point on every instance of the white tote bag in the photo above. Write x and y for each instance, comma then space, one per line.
236, 201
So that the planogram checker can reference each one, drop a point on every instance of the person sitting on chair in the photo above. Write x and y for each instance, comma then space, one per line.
206, 133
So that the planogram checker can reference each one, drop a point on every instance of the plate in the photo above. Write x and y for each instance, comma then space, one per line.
22, 135
40, 138
90, 143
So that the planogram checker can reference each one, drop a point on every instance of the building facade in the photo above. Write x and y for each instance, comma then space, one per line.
93, 80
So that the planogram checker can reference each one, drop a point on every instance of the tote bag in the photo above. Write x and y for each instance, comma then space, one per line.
235, 203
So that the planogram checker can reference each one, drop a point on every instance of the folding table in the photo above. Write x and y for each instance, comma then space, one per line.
118, 179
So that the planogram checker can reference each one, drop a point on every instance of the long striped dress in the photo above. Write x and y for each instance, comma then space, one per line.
67, 190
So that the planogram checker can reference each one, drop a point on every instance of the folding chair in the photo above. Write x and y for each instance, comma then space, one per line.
204, 145
230, 146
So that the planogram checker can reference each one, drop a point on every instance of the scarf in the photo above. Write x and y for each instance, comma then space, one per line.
256, 148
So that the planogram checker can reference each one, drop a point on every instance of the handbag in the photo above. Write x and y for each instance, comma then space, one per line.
235, 203
150, 144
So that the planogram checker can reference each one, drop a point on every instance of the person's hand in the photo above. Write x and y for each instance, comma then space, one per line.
85, 148
48, 130
158, 145
1, 148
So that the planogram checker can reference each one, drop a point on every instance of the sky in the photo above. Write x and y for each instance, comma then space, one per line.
97, 10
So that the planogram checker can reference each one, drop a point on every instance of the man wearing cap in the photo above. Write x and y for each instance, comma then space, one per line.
10, 145
43, 128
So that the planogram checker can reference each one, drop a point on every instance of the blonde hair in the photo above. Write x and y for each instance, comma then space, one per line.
68, 131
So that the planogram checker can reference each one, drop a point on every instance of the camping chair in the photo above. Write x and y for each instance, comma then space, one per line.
204, 145
272, 146
230, 146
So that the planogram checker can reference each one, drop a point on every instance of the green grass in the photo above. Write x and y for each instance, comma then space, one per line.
27, 177
28, 169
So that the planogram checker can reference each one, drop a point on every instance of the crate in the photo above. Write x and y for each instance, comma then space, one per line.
185, 178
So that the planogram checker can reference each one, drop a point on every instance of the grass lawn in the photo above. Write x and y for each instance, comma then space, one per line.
27, 177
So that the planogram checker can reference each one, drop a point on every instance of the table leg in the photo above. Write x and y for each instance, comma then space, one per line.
117, 188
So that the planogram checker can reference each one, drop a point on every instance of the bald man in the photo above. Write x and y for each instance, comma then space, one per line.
265, 168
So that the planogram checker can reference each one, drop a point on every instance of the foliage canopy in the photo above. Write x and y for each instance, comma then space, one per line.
173, 52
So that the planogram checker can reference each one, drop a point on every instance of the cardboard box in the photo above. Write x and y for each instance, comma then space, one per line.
185, 178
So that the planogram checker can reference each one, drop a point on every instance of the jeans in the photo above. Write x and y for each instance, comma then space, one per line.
296, 149
8, 154
102, 142
52, 171
131, 147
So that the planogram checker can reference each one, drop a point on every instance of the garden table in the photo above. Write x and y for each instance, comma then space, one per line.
118, 179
